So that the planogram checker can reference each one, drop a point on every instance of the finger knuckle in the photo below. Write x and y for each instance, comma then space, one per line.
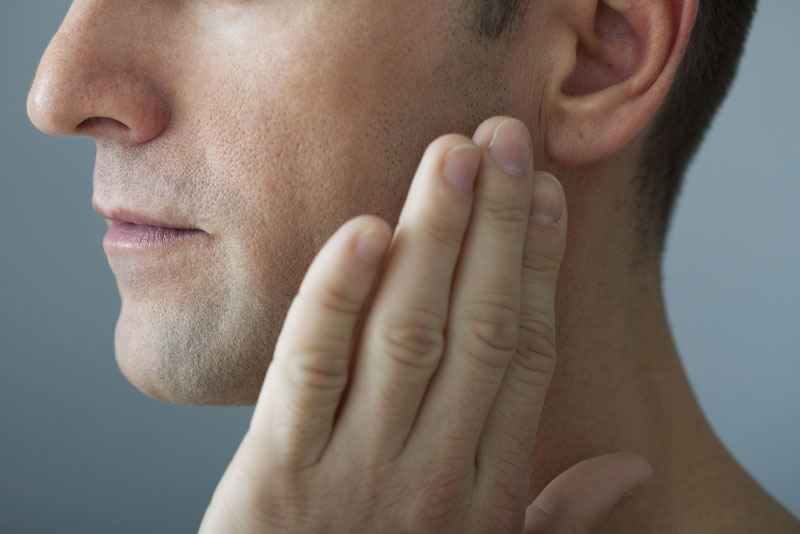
537, 333
529, 373
315, 370
492, 327
332, 299
414, 338
504, 210
440, 228
535, 361
541, 264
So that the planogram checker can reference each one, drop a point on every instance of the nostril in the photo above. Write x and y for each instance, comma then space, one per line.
114, 106
95, 124
105, 128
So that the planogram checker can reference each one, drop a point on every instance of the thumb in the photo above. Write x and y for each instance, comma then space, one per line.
581, 499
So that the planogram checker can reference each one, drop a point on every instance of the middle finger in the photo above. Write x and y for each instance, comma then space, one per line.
483, 325
403, 337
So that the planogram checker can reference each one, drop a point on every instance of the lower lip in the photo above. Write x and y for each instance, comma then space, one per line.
139, 236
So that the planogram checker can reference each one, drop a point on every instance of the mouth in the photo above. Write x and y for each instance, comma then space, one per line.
138, 236
135, 230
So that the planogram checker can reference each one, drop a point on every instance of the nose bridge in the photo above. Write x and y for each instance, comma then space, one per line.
96, 67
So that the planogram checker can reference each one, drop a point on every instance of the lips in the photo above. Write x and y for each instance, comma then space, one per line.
135, 230
140, 218
135, 236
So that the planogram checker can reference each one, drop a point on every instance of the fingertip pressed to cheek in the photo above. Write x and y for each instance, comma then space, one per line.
372, 245
510, 147
547, 204
461, 166
485, 132
365, 238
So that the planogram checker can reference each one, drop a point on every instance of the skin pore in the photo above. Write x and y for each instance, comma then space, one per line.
269, 124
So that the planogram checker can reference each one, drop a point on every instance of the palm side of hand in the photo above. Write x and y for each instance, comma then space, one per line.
425, 421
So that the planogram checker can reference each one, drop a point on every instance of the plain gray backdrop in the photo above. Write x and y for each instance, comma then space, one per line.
81, 450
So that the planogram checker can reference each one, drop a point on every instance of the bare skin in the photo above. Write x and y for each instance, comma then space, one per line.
432, 393
268, 124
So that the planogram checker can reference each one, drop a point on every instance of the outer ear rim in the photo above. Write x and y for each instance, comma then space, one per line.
585, 128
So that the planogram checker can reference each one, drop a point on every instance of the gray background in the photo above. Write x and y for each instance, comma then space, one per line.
81, 450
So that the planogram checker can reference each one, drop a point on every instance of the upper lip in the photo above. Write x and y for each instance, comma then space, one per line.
120, 214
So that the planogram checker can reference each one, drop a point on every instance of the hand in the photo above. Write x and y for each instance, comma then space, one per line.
424, 419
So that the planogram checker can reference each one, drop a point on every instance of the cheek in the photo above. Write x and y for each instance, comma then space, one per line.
321, 131
311, 128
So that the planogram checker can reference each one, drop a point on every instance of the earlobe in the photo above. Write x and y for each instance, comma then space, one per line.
613, 65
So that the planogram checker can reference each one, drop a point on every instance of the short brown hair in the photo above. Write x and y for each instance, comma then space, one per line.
701, 84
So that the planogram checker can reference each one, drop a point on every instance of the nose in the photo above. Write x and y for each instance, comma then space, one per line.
96, 77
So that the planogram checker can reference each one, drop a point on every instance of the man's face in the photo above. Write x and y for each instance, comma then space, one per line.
266, 124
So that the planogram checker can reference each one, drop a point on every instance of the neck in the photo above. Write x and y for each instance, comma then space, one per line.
619, 384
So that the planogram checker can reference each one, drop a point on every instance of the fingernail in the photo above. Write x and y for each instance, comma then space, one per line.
372, 246
461, 166
511, 146
548, 200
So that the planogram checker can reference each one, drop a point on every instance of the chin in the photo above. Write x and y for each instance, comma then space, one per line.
193, 358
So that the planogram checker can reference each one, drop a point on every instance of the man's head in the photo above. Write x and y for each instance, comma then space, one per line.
268, 124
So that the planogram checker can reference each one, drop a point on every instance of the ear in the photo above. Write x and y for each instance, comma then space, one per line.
611, 67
